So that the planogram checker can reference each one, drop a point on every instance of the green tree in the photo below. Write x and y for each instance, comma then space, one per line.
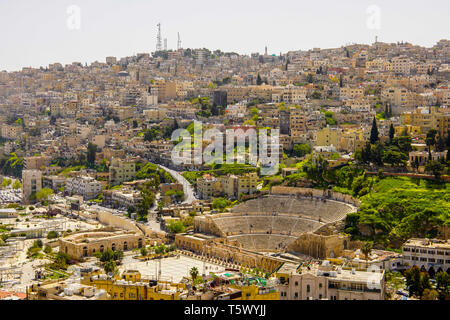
417, 281
16, 185
435, 168
194, 274
395, 158
48, 249
258, 80
391, 133
316, 95
144, 251
366, 250
110, 267
44, 194
430, 140
430, 294
176, 227
220, 204
52, 235
442, 284
91, 152
6, 182
440, 144
301, 150
374, 132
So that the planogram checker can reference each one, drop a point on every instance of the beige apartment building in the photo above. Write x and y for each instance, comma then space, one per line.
36, 163
351, 93
329, 136
427, 119
165, 90
121, 171
155, 115
11, 131
396, 96
230, 186
400, 65
208, 186
327, 282
31, 183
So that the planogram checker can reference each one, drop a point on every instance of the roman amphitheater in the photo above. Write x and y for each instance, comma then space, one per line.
279, 222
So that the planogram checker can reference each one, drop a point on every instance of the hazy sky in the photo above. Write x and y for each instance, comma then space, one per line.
36, 33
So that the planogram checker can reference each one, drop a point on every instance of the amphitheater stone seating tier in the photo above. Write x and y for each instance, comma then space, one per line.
272, 223
327, 210
266, 224
264, 242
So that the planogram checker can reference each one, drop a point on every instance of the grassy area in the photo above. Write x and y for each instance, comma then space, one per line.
219, 170
399, 208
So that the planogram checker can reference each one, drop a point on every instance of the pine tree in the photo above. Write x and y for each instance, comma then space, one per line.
258, 80
440, 144
391, 133
374, 132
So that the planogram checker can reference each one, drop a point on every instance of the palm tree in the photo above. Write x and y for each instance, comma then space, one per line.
366, 250
194, 273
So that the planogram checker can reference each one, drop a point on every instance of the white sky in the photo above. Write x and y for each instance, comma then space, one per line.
36, 33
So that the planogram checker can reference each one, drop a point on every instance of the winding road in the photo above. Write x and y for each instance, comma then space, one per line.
187, 187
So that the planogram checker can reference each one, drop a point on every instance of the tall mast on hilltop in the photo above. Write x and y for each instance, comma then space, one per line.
158, 38
179, 42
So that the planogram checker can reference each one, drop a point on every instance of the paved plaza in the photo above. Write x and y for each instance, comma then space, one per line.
173, 269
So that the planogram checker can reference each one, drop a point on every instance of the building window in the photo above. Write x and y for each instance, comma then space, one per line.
308, 288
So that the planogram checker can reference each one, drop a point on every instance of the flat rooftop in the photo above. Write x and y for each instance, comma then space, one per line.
432, 243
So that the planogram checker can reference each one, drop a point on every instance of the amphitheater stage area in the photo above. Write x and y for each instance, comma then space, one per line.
273, 222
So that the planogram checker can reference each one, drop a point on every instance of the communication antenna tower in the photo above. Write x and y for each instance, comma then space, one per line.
179, 42
158, 38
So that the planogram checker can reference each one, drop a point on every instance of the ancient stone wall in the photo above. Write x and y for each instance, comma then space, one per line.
308, 192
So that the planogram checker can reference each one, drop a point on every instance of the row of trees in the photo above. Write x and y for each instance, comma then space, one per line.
419, 284
395, 151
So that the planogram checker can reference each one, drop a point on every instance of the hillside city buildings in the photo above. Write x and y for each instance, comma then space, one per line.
86, 154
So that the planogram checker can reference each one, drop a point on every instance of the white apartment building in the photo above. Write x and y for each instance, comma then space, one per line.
88, 187
427, 253
327, 282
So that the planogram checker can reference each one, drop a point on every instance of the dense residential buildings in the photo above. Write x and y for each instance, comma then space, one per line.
91, 147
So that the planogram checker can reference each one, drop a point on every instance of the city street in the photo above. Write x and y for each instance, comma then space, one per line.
187, 187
